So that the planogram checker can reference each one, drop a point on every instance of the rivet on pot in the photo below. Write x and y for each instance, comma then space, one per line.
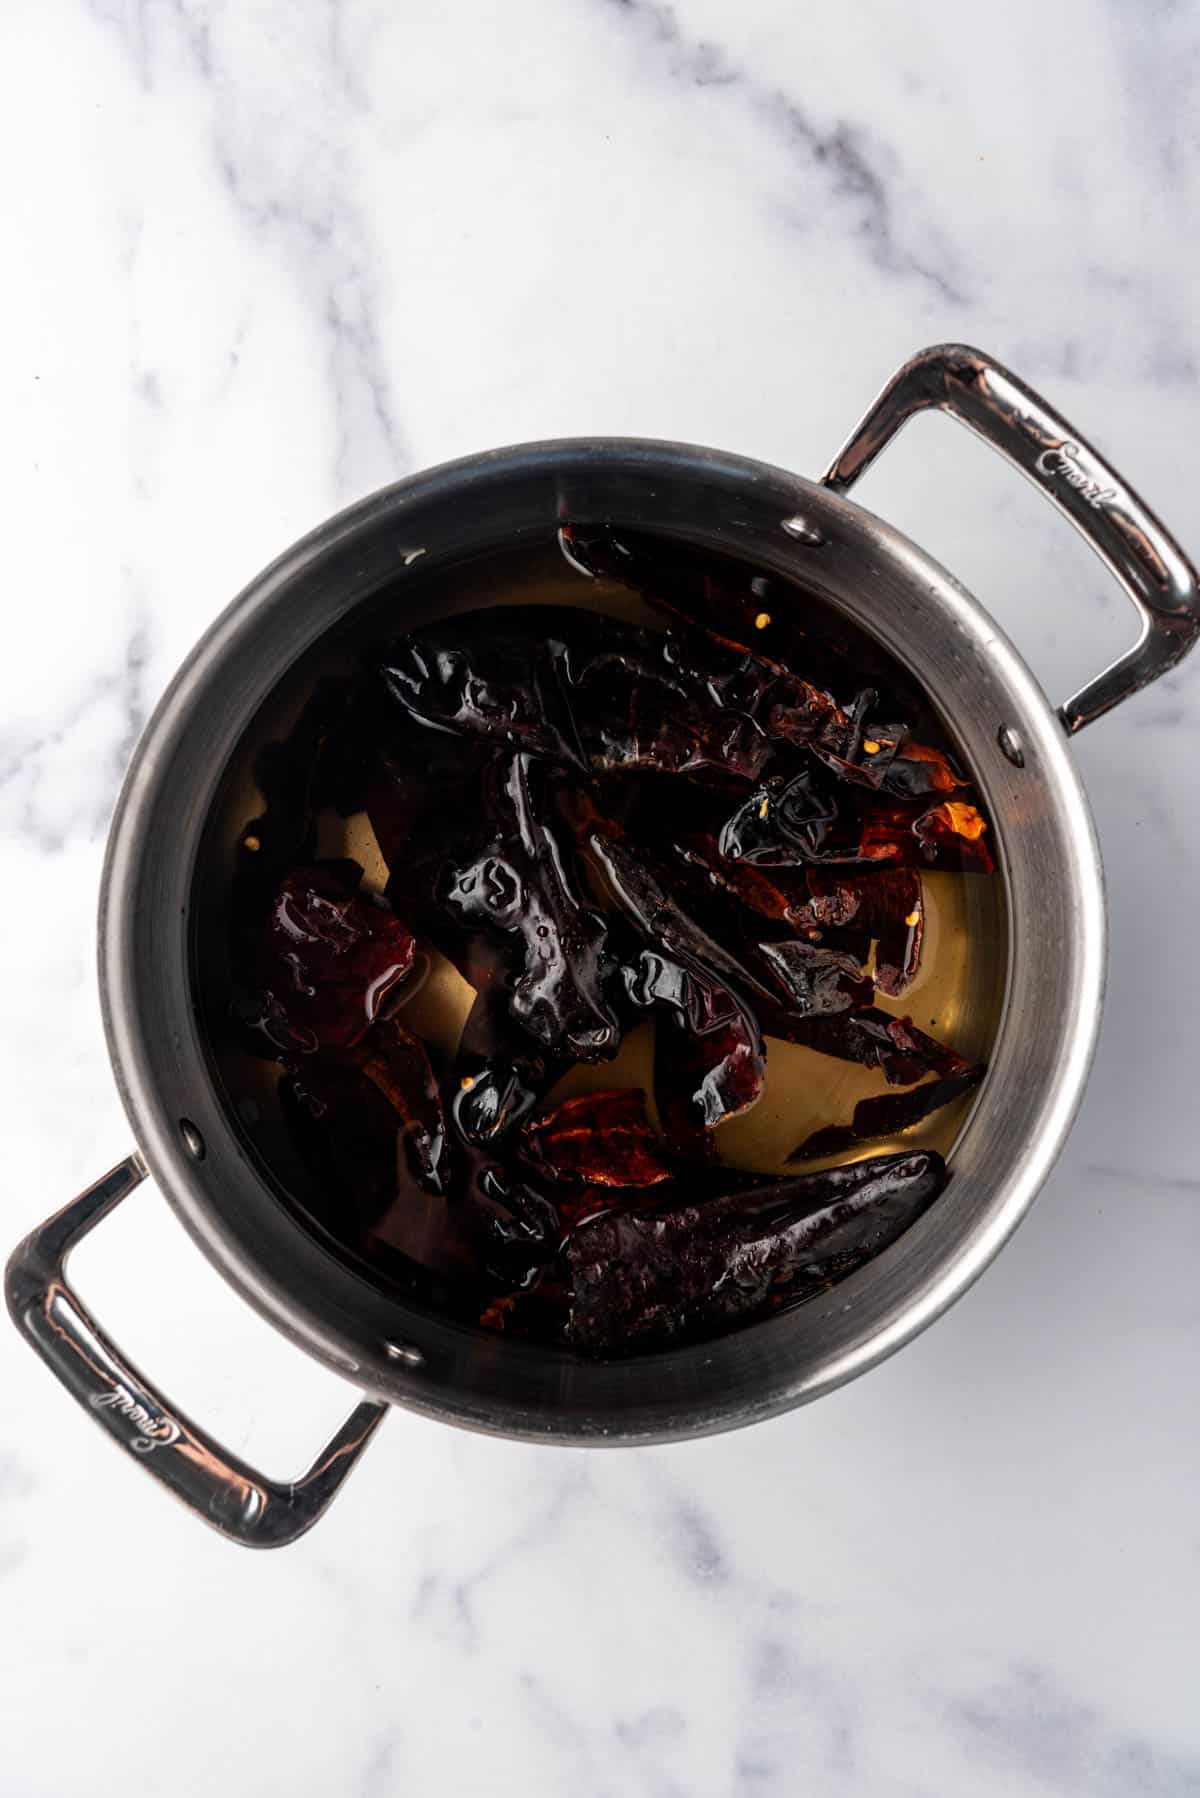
803, 532
193, 1142
1010, 745
405, 1352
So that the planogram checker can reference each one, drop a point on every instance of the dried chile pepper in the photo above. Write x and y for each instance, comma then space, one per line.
600, 1139
876, 1039
575, 688
523, 890
375, 1152
887, 1113
740, 607
885, 904
857, 746
709, 1056
397, 1063
646, 1280
803, 972
791, 821
328, 960
814, 979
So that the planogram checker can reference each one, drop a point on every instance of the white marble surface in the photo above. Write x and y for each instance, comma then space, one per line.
263, 257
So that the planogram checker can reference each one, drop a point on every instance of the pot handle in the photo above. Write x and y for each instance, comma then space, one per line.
223, 1490
993, 403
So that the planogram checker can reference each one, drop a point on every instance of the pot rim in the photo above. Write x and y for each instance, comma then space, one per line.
135, 891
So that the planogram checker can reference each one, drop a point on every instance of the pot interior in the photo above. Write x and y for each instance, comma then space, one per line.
957, 995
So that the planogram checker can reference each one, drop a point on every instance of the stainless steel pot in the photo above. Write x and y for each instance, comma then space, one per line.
157, 884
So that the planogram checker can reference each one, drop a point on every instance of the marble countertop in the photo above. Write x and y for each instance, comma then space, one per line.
263, 258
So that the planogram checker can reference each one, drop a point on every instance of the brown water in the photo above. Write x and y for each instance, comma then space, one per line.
957, 994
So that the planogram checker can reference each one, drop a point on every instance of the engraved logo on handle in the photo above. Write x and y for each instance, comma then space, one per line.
152, 1432
1062, 461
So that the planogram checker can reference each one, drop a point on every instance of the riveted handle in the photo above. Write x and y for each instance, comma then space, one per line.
1123, 531
220, 1488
